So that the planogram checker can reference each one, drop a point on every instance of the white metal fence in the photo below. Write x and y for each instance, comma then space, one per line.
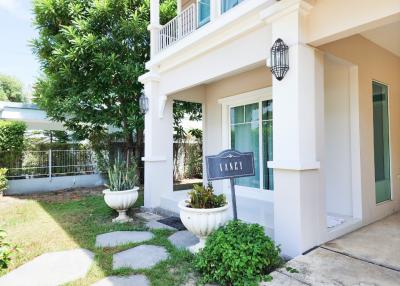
178, 28
50, 163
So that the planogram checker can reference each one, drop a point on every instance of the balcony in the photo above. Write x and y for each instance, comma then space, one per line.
190, 19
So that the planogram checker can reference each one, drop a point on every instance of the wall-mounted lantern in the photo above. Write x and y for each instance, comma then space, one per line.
144, 103
279, 59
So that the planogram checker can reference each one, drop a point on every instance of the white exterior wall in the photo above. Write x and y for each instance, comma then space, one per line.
43, 185
313, 125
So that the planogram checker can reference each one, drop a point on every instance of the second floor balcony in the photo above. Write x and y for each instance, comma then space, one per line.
192, 15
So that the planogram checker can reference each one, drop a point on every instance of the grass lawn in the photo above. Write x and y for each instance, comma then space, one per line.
38, 225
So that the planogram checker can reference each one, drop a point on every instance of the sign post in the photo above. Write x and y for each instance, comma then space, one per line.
230, 164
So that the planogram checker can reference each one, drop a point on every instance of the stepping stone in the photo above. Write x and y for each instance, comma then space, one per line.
133, 280
158, 225
148, 216
49, 269
116, 238
183, 239
140, 257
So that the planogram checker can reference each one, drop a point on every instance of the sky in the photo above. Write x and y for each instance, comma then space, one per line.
16, 31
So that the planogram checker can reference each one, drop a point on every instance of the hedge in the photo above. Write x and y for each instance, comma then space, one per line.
12, 136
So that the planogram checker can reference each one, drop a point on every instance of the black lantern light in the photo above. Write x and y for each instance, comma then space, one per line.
279, 59
144, 103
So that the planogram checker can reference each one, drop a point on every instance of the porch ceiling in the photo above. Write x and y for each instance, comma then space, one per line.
386, 36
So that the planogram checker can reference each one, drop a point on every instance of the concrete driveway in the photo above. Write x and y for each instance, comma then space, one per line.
368, 256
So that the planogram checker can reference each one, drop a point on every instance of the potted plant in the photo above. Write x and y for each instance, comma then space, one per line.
203, 213
3, 181
122, 191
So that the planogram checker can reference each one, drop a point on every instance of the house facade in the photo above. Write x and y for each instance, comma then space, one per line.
326, 137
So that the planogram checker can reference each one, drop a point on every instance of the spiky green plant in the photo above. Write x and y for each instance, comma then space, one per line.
122, 175
202, 197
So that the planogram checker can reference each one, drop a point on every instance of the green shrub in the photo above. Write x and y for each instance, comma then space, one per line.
12, 136
6, 250
3, 180
238, 254
122, 176
202, 197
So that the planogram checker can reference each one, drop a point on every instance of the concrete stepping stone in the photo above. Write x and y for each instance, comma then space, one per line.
116, 238
183, 239
158, 225
148, 216
133, 280
49, 269
140, 257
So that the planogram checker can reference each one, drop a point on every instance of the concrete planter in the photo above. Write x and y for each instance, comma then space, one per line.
202, 222
121, 201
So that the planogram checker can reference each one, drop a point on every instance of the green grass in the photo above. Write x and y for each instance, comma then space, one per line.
38, 226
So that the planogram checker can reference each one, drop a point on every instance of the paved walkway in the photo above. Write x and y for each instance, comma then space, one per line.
368, 256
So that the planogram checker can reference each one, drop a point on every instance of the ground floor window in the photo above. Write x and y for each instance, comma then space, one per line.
251, 131
381, 142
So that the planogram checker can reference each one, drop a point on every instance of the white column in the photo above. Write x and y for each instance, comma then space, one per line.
158, 138
154, 26
215, 9
298, 111
178, 6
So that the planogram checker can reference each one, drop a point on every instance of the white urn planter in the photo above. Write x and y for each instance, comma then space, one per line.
121, 201
202, 222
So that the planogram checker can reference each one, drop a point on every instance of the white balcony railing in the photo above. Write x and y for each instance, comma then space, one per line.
178, 28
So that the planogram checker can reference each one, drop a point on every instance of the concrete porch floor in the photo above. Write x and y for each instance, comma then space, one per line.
368, 256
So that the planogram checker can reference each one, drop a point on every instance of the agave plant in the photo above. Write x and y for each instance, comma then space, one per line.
122, 176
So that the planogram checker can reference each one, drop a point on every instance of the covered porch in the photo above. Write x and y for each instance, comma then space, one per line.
312, 133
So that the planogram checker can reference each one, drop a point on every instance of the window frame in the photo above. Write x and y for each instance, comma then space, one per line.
255, 96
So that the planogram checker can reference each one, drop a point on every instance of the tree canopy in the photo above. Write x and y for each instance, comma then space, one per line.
11, 89
92, 53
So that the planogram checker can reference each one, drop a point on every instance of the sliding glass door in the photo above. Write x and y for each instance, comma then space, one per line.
251, 131
229, 4
203, 12
381, 142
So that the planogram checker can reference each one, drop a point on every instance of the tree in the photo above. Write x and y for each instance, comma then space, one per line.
11, 89
92, 53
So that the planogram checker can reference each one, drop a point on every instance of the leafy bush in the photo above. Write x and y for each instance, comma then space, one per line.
238, 254
6, 250
12, 136
122, 176
202, 197
3, 180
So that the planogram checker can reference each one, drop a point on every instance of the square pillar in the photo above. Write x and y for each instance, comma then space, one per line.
154, 26
298, 110
158, 141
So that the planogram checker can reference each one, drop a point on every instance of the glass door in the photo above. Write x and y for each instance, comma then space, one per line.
251, 131
381, 142
229, 4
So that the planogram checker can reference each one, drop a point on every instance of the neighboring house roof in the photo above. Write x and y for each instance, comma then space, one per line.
35, 118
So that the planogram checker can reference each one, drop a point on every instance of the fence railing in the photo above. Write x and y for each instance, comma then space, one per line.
178, 28
50, 163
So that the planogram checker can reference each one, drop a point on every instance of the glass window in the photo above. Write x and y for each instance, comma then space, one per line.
267, 144
203, 12
246, 129
229, 4
381, 142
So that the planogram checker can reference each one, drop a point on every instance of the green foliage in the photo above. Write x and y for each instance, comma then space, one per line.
238, 254
122, 176
12, 136
180, 109
194, 161
6, 250
202, 197
11, 89
3, 180
92, 53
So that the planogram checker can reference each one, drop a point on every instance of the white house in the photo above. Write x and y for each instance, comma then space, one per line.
335, 147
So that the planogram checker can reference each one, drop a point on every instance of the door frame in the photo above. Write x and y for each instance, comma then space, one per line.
389, 139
